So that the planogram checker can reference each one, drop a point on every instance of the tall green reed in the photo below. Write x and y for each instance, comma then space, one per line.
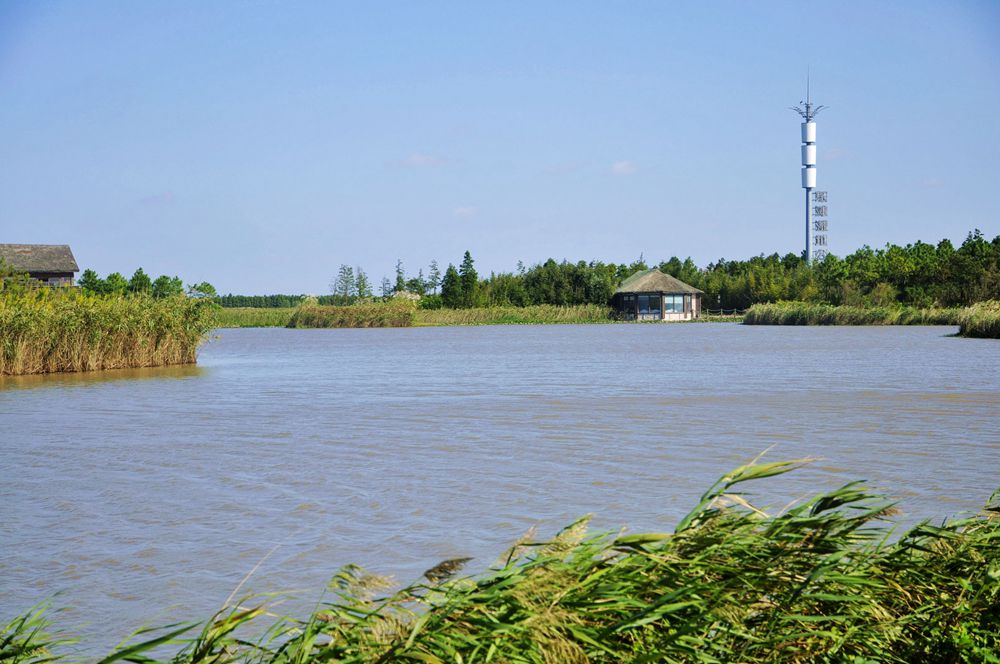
820, 581
65, 330
981, 320
806, 313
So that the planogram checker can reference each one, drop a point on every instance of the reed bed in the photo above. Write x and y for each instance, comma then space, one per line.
46, 331
539, 314
252, 316
980, 320
394, 313
805, 313
821, 581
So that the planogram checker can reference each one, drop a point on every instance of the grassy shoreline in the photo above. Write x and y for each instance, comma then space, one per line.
807, 313
47, 331
980, 320
235, 317
230, 317
819, 581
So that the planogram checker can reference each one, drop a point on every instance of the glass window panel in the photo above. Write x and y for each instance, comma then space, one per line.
643, 304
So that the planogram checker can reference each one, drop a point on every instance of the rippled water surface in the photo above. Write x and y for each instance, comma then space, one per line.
146, 496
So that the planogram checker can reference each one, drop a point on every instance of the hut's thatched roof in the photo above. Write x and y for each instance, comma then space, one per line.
39, 257
654, 281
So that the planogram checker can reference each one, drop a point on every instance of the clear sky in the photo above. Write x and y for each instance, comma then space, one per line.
258, 145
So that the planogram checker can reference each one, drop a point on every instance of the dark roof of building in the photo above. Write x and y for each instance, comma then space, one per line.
39, 257
654, 281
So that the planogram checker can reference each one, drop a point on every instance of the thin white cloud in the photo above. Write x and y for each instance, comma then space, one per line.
624, 167
465, 212
931, 183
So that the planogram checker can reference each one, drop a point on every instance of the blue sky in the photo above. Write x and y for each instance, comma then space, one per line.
258, 145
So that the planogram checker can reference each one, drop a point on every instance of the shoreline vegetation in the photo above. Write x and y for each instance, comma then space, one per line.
808, 313
375, 314
980, 320
57, 330
827, 579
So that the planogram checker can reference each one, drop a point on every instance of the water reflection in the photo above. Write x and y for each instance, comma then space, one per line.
83, 378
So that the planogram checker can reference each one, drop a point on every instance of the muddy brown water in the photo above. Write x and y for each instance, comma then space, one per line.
144, 497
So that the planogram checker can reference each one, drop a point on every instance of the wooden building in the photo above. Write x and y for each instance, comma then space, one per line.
653, 295
52, 264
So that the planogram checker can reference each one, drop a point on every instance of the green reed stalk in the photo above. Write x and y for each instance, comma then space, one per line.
821, 581
394, 313
252, 316
539, 314
981, 320
806, 313
64, 330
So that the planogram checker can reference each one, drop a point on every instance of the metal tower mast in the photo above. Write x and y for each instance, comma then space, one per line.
808, 111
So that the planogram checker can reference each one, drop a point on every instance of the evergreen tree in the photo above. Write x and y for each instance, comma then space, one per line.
345, 286
451, 288
140, 282
204, 289
400, 276
434, 278
362, 285
165, 286
90, 282
115, 284
417, 284
470, 281
386, 287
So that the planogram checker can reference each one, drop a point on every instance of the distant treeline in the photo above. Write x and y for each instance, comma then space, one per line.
141, 284
919, 274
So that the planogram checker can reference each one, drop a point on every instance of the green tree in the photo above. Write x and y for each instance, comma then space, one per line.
451, 288
386, 287
140, 282
470, 281
115, 284
417, 284
204, 289
434, 277
90, 282
400, 277
165, 286
362, 285
344, 286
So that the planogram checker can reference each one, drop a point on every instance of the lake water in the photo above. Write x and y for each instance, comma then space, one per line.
145, 497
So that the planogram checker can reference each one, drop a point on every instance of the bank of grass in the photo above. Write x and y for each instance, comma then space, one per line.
45, 331
821, 581
806, 313
394, 313
539, 314
252, 316
980, 320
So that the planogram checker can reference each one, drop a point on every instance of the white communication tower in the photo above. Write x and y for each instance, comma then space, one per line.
816, 224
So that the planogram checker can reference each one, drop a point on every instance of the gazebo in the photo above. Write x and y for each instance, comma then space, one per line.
653, 295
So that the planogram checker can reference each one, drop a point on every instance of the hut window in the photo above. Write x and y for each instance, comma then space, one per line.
649, 304
673, 303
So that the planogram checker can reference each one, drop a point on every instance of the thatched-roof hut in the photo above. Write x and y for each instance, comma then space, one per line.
653, 295
50, 263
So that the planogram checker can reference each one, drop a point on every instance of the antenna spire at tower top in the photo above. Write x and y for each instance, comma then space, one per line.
806, 108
